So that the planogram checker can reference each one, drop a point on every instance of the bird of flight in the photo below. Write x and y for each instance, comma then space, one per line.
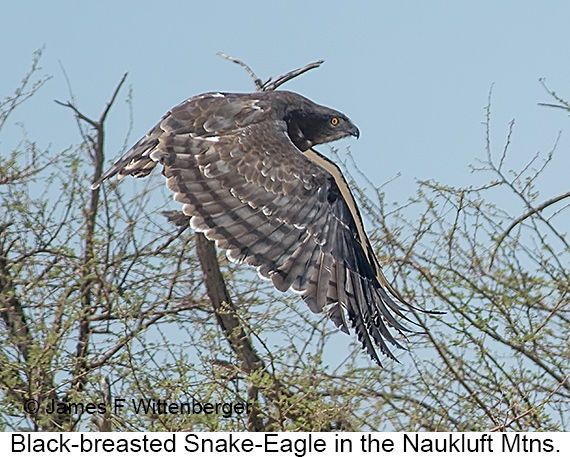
244, 168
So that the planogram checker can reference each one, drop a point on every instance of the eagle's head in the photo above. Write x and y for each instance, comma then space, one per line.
310, 124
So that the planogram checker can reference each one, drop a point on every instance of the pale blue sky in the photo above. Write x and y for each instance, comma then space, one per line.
413, 75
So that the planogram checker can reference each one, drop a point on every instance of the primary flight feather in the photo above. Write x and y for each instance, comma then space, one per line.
244, 169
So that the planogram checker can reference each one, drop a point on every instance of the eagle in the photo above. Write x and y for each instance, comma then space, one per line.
244, 168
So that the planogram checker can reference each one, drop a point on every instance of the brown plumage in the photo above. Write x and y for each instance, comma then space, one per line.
243, 168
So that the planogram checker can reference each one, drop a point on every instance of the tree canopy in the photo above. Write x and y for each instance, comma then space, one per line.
107, 296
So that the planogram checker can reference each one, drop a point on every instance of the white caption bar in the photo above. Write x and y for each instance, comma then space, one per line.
288, 444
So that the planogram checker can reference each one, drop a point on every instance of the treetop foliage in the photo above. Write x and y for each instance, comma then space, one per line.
107, 295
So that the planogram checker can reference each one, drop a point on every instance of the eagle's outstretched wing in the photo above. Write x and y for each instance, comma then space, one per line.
234, 162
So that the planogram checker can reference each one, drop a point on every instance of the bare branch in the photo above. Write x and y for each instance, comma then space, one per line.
78, 113
522, 218
533, 409
551, 105
258, 82
226, 314
81, 366
110, 103
289, 76
22, 93
563, 103
267, 85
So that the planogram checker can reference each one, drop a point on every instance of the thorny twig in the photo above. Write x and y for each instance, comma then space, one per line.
268, 85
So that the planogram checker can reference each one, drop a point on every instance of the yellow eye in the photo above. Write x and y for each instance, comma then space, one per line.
334, 121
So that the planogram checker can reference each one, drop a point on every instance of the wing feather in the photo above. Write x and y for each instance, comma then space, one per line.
336, 311
292, 272
324, 275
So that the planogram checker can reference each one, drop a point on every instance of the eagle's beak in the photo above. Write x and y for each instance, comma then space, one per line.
354, 131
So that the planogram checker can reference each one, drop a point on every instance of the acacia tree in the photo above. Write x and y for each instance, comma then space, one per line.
499, 358
102, 297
